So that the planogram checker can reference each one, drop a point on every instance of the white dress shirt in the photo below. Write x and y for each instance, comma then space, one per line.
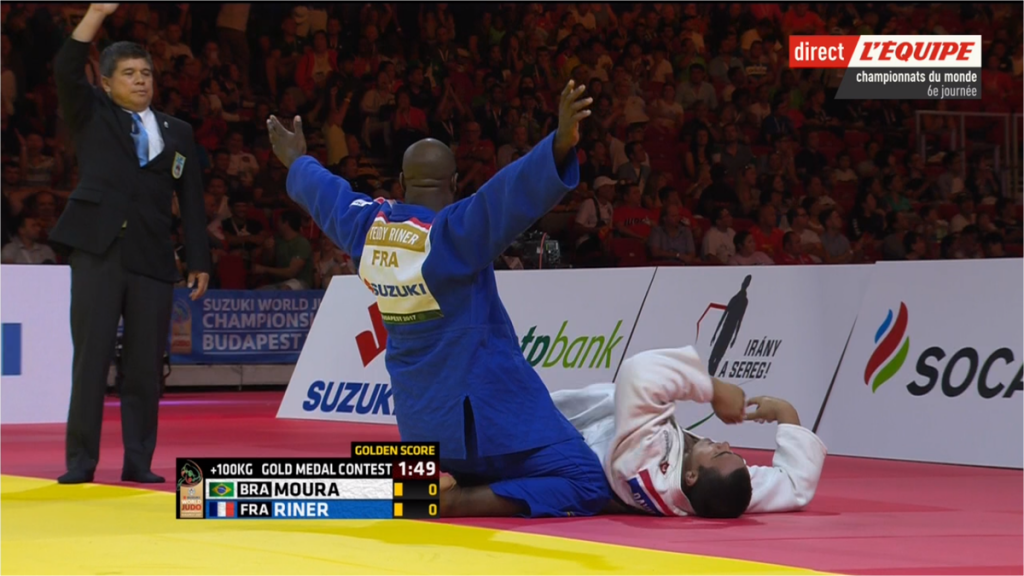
156, 139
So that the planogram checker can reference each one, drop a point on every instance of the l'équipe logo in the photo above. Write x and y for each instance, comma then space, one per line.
992, 374
890, 334
541, 351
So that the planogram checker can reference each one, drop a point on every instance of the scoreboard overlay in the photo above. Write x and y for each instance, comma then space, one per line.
382, 480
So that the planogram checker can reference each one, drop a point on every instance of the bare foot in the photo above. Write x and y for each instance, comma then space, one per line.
449, 492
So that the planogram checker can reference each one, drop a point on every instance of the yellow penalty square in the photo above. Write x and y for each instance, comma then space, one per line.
398, 509
398, 490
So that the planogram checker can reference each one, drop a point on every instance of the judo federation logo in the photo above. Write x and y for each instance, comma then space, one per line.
179, 165
190, 500
887, 339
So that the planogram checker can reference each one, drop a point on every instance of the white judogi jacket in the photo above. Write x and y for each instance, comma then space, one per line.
632, 428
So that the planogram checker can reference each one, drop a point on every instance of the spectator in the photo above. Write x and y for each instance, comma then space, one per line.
696, 89
631, 219
951, 183
288, 258
671, 240
966, 215
777, 125
766, 235
893, 247
699, 153
733, 154
37, 169
517, 147
598, 163
475, 159
718, 245
409, 125
810, 242
241, 233
25, 247
747, 192
593, 224
747, 253
969, 244
331, 261
836, 244
316, 66
240, 160
896, 199
810, 161
868, 218
843, 172
792, 251
667, 114
993, 245
1006, 220
635, 170
914, 246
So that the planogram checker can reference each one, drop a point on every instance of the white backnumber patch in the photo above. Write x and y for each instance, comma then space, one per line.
392, 268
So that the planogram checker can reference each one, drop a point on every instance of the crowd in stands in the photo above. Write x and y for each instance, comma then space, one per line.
705, 147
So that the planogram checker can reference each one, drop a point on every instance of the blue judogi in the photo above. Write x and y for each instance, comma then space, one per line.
458, 373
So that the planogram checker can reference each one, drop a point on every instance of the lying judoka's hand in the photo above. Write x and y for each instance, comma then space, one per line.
772, 410
729, 401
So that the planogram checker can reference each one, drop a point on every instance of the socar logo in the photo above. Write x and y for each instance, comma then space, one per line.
888, 339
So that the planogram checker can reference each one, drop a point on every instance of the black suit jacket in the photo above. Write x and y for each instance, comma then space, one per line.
114, 189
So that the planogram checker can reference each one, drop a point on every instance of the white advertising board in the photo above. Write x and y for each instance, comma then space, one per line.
933, 369
774, 330
35, 305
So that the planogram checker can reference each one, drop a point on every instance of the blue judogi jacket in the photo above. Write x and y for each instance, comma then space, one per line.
452, 352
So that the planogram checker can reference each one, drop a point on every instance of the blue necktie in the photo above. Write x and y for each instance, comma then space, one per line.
141, 139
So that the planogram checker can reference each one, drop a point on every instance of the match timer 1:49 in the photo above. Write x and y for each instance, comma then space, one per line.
415, 470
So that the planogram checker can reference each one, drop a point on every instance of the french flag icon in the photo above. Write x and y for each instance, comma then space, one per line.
221, 510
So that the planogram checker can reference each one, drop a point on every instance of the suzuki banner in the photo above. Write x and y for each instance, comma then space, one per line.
775, 331
573, 327
36, 342
933, 369
241, 326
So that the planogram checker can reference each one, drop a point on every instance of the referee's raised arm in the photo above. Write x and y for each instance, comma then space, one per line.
75, 94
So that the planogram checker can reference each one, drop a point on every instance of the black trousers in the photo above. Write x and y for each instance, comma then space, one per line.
101, 292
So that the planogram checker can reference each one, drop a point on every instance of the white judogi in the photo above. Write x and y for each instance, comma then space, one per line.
632, 428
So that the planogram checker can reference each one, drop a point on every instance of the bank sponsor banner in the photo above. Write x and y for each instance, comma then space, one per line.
775, 331
36, 341
241, 326
934, 366
894, 67
573, 327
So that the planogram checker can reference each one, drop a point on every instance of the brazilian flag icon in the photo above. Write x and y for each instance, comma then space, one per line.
222, 489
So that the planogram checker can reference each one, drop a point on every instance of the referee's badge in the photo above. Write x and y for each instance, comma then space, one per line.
179, 165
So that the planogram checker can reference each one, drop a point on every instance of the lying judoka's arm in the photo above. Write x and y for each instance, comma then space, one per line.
481, 227
792, 479
647, 388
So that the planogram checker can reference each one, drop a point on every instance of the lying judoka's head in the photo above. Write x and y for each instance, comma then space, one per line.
429, 175
716, 480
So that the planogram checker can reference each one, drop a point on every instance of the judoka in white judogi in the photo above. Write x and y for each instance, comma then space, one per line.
648, 458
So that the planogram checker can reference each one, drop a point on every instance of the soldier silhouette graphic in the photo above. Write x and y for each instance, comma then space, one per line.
728, 327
